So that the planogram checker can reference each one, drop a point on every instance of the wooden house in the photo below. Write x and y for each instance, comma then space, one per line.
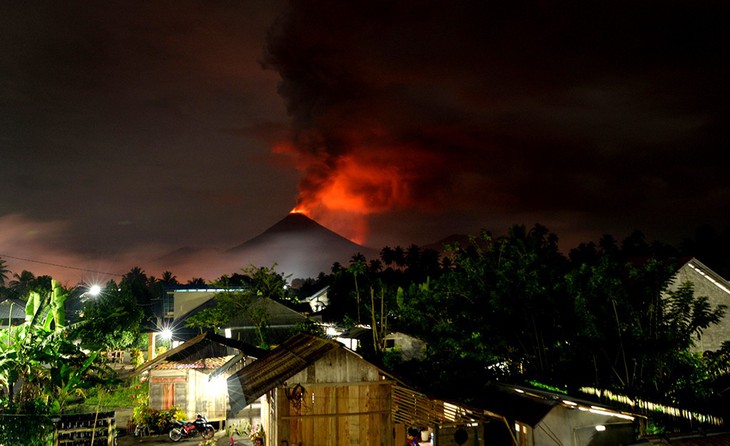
541, 418
192, 376
12, 312
318, 392
717, 290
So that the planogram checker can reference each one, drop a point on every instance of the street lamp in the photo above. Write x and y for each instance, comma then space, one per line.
91, 291
94, 290
166, 334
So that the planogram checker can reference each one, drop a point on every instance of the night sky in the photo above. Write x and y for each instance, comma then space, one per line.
130, 129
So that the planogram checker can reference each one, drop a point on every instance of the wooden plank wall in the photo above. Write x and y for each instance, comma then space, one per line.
337, 415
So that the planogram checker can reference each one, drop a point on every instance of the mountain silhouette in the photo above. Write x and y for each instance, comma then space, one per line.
300, 247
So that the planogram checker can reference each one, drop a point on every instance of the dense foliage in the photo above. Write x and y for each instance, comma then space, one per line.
512, 308
42, 371
112, 320
243, 296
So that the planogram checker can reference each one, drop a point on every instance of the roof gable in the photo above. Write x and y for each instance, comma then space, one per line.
516, 404
276, 313
204, 346
285, 361
17, 307
707, 274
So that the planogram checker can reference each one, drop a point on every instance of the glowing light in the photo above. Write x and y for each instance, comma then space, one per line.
299, 210
217, 386
166, 334
600, 428
94, 290
610, 413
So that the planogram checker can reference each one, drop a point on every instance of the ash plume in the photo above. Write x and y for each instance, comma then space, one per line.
523, 109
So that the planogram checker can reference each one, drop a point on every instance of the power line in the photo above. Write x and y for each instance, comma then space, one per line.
62, 266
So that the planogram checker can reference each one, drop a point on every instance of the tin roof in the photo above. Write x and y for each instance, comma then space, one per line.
16, 306
206, 365
203, 346
525, 407
285, 361
279, 365
697, 439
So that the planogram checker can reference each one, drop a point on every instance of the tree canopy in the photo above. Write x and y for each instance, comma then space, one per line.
509, 308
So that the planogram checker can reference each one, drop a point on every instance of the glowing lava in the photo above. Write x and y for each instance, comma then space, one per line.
299, 210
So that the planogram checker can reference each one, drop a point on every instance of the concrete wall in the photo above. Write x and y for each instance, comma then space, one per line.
578, 428
716, 289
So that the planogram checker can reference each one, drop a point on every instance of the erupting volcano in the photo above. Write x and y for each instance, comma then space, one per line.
342, 191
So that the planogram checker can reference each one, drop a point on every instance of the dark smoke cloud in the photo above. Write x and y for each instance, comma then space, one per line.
567, 112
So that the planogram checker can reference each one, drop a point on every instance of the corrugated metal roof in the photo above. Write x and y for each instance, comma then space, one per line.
413, 408
206, 345
716, 439
528, 408
204, 364
17, 307
285, 361
280, 364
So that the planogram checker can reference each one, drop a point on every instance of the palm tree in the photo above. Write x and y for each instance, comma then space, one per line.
22, 283
197, 281
3, 272
169, 279
357, 266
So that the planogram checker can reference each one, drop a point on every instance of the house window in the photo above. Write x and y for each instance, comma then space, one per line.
168, 305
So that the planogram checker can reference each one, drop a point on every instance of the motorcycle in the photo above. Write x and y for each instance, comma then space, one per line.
189, 429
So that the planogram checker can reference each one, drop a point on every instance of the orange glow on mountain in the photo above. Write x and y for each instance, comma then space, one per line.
299, 210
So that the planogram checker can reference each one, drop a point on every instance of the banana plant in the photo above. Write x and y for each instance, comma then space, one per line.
41, 369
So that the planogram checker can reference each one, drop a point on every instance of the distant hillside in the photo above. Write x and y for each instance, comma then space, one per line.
299, 246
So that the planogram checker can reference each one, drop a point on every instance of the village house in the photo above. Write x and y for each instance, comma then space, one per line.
278, 320
717, 290
12, 312
318, 392
192, 375
548, 418
318, 301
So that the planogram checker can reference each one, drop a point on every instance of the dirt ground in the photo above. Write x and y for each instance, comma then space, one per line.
159, 440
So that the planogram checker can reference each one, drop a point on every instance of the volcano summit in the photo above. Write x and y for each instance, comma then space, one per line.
299, 246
